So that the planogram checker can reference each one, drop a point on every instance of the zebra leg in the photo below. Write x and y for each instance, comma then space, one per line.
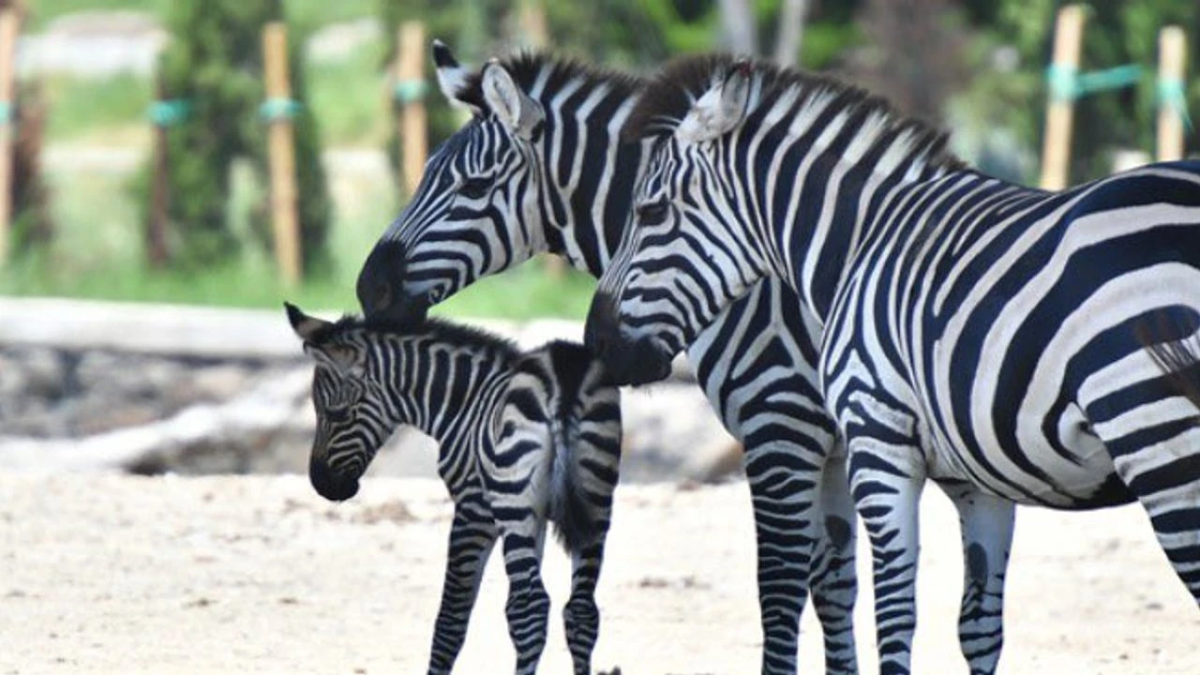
886, 483
580, 615
785, 529
472, 536
528, 606
987, 531
833, 581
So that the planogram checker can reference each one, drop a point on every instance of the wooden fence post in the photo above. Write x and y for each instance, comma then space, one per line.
160, 191
410, 92
278, 110
9, 24
1056, 148
1172, 60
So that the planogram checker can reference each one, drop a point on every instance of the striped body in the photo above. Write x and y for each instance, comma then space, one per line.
541, 167
524, 438
1005, 342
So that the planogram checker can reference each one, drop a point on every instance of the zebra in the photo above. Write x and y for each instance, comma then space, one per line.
525, 437
540, 167
1013, 345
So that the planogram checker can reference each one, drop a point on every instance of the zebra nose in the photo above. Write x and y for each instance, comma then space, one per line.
381, 273
601, 324
329, 484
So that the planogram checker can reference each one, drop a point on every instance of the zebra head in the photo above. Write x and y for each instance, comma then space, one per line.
350, 423
685, 255
475, 211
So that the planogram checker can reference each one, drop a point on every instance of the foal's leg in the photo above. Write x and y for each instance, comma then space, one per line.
472, 535
834, 583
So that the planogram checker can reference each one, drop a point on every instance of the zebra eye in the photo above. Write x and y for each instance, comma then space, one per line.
474, 188
338, 414
653, 213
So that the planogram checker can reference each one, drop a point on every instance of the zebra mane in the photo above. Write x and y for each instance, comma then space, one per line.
527, 66
670, 95
440, 330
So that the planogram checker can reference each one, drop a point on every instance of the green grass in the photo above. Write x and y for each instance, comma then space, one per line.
107, 110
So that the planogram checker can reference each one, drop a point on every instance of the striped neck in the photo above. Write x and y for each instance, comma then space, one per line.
587, 171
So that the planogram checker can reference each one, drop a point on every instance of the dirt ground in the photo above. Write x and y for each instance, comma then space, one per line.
114, 574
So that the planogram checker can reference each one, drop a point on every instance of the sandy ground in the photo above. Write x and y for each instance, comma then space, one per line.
112, 574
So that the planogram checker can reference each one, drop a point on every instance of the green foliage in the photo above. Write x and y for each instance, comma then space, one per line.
215, 64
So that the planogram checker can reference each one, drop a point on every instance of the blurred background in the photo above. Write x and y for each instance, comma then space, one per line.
143, 136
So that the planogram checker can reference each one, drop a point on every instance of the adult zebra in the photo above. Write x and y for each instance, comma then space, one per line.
540, 168
523, 438
984, 335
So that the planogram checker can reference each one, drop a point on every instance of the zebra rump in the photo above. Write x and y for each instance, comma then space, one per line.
577, 519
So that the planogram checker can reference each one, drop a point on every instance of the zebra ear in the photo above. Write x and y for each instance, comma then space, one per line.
452, 77
720, 109
306, 327
520, 113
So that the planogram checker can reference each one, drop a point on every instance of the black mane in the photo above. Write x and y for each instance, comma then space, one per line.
526, 65
669, 96
441, 330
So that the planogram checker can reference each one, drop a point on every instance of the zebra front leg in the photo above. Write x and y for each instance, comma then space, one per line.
833, 582
886, 482
472, 536
782, 488
987, 531
528, 606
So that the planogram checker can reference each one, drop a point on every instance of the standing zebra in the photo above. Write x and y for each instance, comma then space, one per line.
540, 167
524, 437
1013, 345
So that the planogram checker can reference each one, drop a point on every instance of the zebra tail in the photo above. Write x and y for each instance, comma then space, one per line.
574, 524
1174, 345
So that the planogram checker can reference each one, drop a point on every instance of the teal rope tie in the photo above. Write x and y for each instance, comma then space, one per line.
1171, 94
170, 112
276, 109
7, 112
410, 91
1067, 83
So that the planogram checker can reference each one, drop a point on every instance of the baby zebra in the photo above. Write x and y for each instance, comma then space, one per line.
524, 436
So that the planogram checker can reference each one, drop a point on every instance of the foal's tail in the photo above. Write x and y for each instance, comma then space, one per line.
1174, 344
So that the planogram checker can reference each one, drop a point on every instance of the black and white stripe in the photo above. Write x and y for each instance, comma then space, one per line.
1012, 345
541, 167
525, 438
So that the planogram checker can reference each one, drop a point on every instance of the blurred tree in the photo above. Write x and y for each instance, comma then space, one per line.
212, 74
32, 226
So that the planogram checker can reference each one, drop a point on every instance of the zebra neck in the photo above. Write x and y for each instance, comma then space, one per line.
589, 173
839, 205
443, 390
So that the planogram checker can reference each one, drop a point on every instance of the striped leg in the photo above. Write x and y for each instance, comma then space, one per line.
580, 615
886, 486
784, 521
528, 606
472, 535
987, 531
833, 581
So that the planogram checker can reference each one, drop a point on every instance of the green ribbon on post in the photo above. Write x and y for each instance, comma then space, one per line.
7, 112
1067, 83
410, 91
1171, 94
275, 109
169, 112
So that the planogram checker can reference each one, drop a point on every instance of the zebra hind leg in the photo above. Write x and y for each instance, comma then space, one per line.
472, 536
528, 606
581, 616
987, 531
833, 581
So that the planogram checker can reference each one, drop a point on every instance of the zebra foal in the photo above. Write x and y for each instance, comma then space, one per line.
524, 437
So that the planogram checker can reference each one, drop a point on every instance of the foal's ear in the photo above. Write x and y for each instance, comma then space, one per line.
452, 78
720, 109
306, 327
516, 109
